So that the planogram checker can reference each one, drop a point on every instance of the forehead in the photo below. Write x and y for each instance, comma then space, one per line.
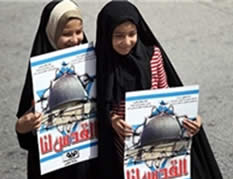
125, 27
71, 23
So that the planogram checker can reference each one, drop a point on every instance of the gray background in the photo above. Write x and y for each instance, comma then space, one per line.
197, 36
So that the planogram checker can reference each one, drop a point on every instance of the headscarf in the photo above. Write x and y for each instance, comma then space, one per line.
117, 74
60, 15
52, 19
203, 163
120, 73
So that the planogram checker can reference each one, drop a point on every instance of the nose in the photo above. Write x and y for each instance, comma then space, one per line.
127, 41
75, 39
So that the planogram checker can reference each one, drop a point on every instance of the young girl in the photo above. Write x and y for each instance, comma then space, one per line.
61, 26
130, 58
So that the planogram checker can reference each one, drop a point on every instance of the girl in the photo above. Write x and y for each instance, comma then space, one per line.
130, 58
61, 26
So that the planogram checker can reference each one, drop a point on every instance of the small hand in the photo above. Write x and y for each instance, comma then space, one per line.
192, 127
121, 127
28, 122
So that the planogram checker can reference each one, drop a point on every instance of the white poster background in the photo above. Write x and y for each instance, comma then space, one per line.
139, 105
57, 147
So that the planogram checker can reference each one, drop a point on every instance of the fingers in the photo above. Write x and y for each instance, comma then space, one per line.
121, 127
30, 117
37, 115
29, 122
192, 127
33, 120
199, 120
126, 128
36, 121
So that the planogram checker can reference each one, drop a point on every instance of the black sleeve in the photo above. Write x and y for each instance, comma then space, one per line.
26, 141
26, 96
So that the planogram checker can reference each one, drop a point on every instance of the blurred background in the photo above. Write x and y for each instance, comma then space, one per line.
196, 34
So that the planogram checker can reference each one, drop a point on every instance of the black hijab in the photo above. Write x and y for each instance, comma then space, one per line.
120, 73
109, 75
117, 74
40, 46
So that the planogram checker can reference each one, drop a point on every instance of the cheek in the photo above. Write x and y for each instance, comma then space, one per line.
81, 36
61, 42
134, 40
115, 45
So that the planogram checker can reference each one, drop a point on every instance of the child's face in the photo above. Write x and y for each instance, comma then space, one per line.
124, 37
71, 35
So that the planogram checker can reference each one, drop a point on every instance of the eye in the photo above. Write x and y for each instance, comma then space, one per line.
78, 32
132, 34
66, 34
118, 36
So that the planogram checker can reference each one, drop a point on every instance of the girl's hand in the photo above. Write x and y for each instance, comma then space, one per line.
28, 122
192, 127
121, 127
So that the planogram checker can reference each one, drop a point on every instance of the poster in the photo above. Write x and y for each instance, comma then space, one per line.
160, 146
64, 88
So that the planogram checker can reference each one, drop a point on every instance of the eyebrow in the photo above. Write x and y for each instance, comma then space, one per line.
122, 32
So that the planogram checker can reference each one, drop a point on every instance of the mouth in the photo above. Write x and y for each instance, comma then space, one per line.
125, 48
